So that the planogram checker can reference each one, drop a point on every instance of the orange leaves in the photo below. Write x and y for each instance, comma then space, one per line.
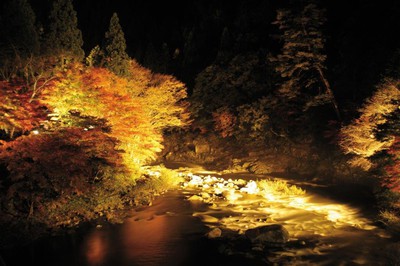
49, 164
136, 108
17, 112
224, 121
392, 180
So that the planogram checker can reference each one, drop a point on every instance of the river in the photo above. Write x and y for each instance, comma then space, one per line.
172, 230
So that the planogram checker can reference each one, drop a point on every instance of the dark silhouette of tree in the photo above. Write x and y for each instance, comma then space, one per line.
165, 58
225, 46
301, 63
64, 39
116, 58
151, 58
19, 35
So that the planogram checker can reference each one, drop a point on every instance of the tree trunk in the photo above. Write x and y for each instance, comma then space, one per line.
330, 93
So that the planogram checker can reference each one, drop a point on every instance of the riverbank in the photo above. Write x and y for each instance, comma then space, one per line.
205, 220
20, 229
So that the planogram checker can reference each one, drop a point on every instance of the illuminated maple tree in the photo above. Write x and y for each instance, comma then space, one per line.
136, 111
360, 137
18, 113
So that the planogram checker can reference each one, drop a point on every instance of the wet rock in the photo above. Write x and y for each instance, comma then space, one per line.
202, 148
205, 195
214, 233
195, 198
274, 235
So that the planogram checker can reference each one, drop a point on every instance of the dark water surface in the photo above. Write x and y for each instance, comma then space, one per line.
165, 233
171, 232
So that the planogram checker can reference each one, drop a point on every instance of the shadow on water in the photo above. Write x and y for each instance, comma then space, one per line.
165, 233
171, 232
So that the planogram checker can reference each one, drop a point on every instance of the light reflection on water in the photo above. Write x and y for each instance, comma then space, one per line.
330, 233
162, 234
171, 232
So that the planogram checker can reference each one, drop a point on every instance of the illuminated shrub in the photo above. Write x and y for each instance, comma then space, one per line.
56, 166
18, 113
359, 138
392, 169
224, 121
136, 110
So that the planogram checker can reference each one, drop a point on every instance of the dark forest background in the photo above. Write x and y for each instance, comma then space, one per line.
361, 35
307, 89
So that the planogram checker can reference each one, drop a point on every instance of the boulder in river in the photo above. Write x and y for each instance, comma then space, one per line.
274, 235
214, 233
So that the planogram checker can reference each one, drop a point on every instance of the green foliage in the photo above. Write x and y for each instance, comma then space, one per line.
116, 58
64, 39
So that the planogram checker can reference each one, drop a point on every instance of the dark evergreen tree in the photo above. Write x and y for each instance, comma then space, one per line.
19, 35
190, 50
64, 39
151, 58
116, 58
301, 63
165, 58
225, 46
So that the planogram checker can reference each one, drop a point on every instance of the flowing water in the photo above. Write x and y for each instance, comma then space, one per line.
172, 231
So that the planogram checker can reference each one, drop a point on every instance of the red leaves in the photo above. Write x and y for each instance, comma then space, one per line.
224, 121
57, 163
17, 112
392, 178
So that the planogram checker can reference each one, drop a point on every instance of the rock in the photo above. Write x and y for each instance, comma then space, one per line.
205, 195
195, 198
214, 233
274, 235
201, 148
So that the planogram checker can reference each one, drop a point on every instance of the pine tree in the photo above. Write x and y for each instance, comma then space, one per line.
225, 46
18, 30
151, 58
165, 58
64, 38
301, 63
116, 58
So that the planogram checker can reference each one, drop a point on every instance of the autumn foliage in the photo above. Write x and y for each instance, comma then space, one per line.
360, 137
136, 112
18, 114
93, 132
392, 169
373, 140
224, 122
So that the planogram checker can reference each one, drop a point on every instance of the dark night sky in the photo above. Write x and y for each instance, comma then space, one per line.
361, 34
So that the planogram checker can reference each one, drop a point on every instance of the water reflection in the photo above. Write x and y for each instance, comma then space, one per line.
163, 234
96, 248
171, 231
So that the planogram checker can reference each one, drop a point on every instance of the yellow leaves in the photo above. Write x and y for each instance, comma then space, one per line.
17, 112
359, 137
136, 107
